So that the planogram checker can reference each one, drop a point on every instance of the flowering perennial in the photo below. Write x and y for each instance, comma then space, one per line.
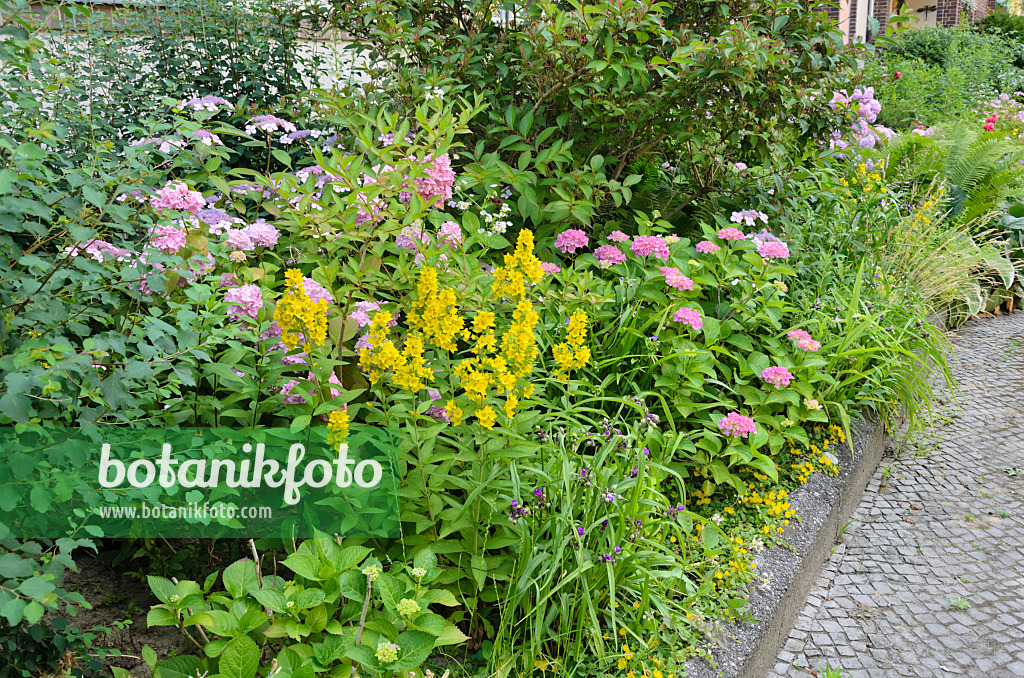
645, 245
299, 315
675, 278
803, 340
570, 240
731, 234
689, 316
609, 255
773, 250
779, 376
707, 247
176, 195
572, 354
735, 424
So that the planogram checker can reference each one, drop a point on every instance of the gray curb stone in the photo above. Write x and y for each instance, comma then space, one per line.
822, 505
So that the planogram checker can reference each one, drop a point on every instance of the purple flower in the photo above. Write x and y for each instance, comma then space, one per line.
580, 531
267, 123
206, 103
539, 493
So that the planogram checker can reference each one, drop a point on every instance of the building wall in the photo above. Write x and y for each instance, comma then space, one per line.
949, 12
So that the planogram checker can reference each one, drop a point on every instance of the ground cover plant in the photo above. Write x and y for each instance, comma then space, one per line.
604, 406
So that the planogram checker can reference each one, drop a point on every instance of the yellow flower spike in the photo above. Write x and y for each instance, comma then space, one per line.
486, 417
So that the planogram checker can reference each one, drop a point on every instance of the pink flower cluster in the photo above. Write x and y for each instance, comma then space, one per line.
549, 268
803, 340
773, 249
410, 237
608, 255
268, 123
650, 245
779, 376
618, 236
257, 234
439, 179
176, 195
294, 396
570, 240
707, 247
246, 300
748, 217
731, 234
735, 424
450, 234
168, 239
97, 249
675, 278
689, 316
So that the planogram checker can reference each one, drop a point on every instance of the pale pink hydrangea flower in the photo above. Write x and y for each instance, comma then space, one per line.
779, 376
735, 424
740, 166
773, 249
570, 240
362, 313
228, 280
813, 404
176, 195
675, 278
803, 340
408, 238
609, 255
238, 256
707, 247
316, 291
97, 249
689, 316
209, 102
238, 239
645, 245
246, 300
549, 268
439, 179
262, 234
450, 233
618, 236
731, 234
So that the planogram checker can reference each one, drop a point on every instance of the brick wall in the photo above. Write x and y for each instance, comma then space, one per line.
948, 12
882, 12
851, 30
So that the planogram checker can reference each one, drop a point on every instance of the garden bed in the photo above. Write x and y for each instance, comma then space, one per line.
823, 505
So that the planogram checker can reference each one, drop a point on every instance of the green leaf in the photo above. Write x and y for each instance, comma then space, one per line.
282, 157
451, 636
416, 647
239, 576
162, 588
240, 659
180, 667
93, 196
36, 587
425, 559
161, 615
390, 591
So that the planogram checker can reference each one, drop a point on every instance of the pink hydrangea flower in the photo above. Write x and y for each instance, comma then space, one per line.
450, 233
803, 340
549, 268
707, 247
168, 239
238, 239
570, 240
731, 234
362, 313
645, 245
675, 278
779, 376
609, 255
439, 179
740, 166
97, 249
618, 236
689, 316
316, 291
267, 123
773, 249
262, 234
409, 237
228, 280
735, 424
246, 300
176, 195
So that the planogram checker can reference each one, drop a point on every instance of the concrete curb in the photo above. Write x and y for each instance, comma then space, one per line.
749, 650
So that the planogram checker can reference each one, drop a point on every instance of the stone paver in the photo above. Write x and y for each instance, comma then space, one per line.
929, 579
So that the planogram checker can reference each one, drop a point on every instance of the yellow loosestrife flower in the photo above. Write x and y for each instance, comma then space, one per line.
296, 314
572, 354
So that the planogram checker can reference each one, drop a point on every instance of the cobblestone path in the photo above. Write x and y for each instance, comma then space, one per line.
928, 579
